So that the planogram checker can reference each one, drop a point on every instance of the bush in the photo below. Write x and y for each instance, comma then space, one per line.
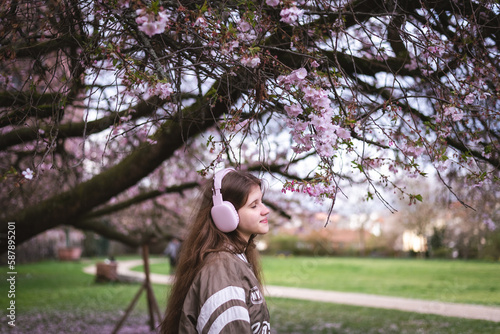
284, 245
315, 244
441, 253
491, 250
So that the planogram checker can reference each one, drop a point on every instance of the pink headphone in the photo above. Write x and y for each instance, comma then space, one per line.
223, 212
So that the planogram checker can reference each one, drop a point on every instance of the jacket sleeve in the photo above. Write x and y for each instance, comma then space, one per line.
217, 301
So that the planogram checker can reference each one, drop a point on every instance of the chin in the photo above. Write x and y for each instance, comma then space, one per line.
264, 231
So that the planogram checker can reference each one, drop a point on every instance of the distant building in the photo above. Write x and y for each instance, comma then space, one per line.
413, 242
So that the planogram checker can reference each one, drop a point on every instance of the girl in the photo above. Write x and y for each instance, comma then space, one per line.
217, 286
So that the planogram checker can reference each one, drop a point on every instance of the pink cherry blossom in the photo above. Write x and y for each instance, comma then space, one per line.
449, 111
299, 75
455, 113
437, 50
393, 169
309, 93
412, 65
294, 110
303, 144
317, 97
296, 126
251, 62
246, 32
319, 122
249, 36
458, 116
162, 89
469, 99
244, 26
342, 133
151, 28
164, 17
28, 174
441, 166
325, 149
200, 22
273, 3
414, 151
125, 118
329, 135
291, 15
141, 16
148, 23
229, 47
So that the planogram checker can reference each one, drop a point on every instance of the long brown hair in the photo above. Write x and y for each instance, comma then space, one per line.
204, 238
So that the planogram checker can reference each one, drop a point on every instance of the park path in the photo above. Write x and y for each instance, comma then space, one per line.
468, 311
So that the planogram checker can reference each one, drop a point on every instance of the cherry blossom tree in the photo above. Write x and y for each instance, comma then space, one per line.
108, 104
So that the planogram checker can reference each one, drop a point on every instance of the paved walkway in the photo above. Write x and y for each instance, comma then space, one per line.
358, 299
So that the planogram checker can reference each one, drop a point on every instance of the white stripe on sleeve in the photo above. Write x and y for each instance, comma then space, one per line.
216, 300
231, 314
242, 256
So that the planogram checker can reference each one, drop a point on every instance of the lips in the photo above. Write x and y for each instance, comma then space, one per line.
263, 221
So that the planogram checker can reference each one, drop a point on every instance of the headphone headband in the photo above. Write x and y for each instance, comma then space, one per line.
219, 176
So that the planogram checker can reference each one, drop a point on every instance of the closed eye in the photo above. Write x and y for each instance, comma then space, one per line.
254, 204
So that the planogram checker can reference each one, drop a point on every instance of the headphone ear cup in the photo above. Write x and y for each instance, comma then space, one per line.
225, 216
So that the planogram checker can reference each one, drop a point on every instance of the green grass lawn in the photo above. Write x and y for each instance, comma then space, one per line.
292, 316
52, 284
57, 297
441, 280
456, 281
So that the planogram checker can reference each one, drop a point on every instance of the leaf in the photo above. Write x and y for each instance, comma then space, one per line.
358, 166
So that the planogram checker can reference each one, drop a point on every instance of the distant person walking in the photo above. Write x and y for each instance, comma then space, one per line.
172, 251
217, 286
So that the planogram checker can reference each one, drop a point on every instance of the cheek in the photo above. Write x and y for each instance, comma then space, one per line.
247, 217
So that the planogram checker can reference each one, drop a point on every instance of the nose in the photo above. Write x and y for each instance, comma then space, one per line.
265, 211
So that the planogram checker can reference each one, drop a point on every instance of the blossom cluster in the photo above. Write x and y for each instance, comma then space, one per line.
455, 113
313, 120
152, 24
317, 190
273, 3
246, 33
324, 133
229, 47
252, 61
412, 150
161, 89
291, 15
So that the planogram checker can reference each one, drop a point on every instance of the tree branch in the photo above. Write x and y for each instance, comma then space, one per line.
68, 130
68, 206
103, 229
138, 199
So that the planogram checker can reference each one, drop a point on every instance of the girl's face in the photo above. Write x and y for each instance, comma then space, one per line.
253, 215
